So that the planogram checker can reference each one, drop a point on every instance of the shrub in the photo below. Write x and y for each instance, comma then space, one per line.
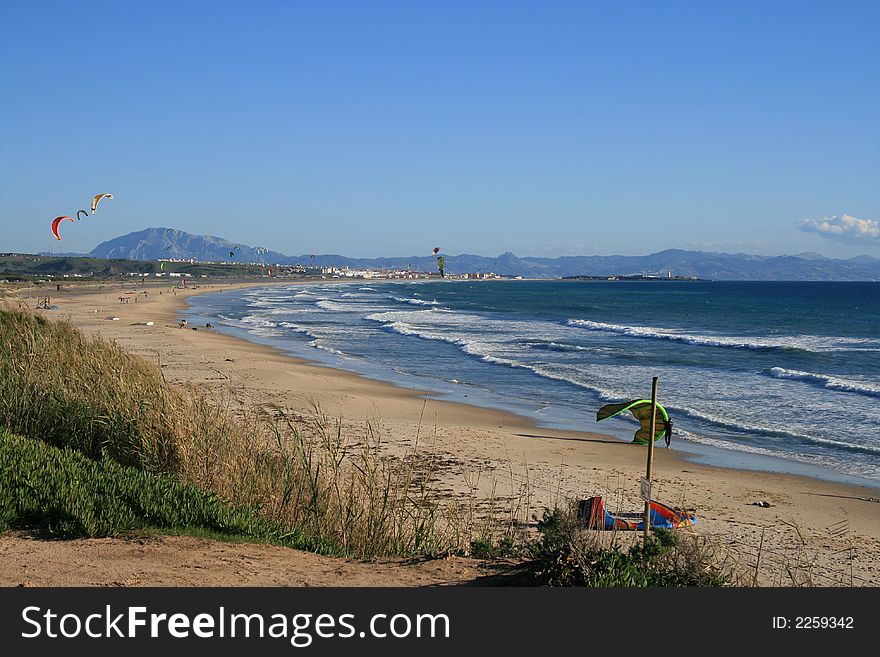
569, 555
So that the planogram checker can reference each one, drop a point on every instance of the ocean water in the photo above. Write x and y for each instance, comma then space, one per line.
771, 375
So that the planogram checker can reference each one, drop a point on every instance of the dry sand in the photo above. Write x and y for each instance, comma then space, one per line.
800, 536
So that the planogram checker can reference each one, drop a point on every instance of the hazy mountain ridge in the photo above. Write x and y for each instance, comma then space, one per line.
163, 243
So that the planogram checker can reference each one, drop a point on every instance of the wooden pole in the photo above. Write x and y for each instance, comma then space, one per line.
650, 467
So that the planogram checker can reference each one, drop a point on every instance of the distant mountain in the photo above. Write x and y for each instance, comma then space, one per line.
158, 243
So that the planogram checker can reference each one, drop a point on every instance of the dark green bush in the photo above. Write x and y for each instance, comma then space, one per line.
568, 555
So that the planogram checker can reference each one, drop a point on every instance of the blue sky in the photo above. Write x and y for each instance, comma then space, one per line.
386, 128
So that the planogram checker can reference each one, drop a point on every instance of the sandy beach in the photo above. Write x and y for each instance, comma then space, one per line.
799, 537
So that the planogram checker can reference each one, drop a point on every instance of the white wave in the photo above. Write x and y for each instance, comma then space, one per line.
740, 427
399, 315
803, 342
318, 345
335, 306
265, 331
557, 346
294, 327
258, 321
825, 380
261, 303
347, 306
416, 302
273, 311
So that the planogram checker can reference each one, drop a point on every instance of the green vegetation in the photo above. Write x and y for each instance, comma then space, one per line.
86, 394
27, 267
568, 555
66, 495
89, 395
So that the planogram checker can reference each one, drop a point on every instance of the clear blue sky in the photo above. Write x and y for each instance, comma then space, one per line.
386, 128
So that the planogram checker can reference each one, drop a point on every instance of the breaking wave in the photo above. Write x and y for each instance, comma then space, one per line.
815, 343
826, 381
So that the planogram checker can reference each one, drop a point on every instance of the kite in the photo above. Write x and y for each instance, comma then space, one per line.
98, 199
55, 223
436, 250
83, 211
440, 262
232, 253
641, 409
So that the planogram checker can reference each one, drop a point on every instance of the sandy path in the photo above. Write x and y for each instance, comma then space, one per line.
189, 561
489, 451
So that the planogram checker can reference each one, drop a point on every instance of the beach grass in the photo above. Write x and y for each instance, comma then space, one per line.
60, 493
89, 395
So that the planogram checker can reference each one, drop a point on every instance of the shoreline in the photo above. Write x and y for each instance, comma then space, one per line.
493, 451
693, 452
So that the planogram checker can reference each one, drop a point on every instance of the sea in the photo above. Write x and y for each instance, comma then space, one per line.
772, 376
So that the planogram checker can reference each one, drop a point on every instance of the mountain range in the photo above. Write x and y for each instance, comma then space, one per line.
168, 243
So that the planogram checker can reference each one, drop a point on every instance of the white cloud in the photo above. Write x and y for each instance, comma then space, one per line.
843, 228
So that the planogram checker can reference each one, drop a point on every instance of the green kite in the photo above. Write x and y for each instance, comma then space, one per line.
641, 409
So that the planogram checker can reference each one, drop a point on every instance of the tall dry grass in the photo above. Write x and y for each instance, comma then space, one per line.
88, 394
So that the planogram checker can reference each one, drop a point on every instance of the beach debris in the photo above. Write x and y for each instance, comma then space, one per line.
112, 319
641, 410
78, 218
230, 360
595, 515
149, 323
57, 221
762, 503
98, 198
